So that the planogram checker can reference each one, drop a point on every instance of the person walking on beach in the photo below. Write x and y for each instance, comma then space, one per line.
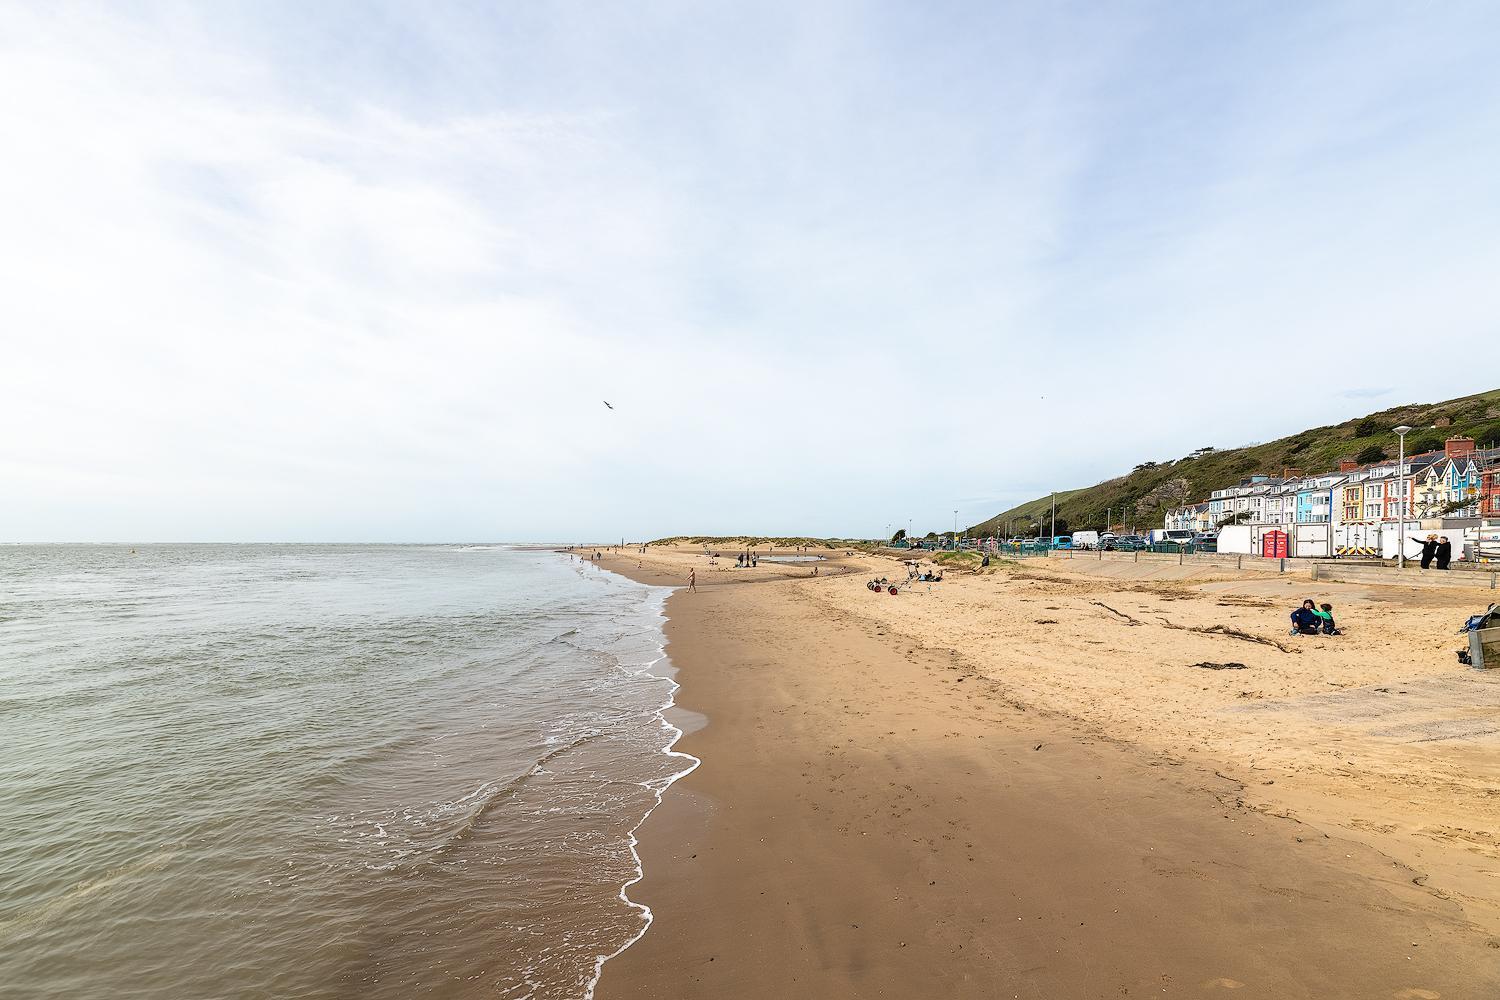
693, 581
1444, 552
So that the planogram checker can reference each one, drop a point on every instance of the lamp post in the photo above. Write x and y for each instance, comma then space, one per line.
1054, 515
1401, 433
955, 531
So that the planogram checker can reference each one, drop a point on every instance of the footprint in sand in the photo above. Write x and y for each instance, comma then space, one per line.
1224, 982
1416, 994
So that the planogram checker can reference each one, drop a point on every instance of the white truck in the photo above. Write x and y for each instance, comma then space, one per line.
1085, 539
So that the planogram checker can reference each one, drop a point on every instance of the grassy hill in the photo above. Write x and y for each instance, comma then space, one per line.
1146, 491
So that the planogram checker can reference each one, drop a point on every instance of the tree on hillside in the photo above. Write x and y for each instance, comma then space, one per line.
1367, 428
899, 536
1422, 445
1374, 453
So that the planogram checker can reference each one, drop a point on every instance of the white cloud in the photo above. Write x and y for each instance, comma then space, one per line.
281, 275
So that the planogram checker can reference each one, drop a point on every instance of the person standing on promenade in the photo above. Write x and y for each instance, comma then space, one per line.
692, 580
1444, 552
1429, 549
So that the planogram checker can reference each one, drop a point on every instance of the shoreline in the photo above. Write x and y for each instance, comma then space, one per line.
659, 790
898, 857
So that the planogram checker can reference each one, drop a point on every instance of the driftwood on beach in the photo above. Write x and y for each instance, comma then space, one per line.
1232, 633
1223, 630
1128, 619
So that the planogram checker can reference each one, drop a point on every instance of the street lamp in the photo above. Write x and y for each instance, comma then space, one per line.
1401, 433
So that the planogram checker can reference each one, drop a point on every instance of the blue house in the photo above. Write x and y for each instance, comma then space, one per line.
1315, 500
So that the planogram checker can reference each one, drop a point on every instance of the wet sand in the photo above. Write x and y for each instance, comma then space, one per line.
877, 815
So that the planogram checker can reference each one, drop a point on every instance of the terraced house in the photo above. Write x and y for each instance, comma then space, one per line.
1343, 512
1450, 488
1315, 499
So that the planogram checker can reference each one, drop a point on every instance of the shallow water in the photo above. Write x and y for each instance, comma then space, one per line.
321, 771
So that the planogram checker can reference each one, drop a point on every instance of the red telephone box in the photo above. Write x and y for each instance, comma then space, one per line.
1273, 545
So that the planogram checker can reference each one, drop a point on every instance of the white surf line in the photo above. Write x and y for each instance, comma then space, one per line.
640, 869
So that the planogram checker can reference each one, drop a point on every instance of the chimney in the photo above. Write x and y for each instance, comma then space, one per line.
1347, 465
1458, 447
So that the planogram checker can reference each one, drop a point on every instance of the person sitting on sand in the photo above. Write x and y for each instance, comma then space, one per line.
1325, 619
1305, 619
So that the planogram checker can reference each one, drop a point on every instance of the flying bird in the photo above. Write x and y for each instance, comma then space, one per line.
607, 403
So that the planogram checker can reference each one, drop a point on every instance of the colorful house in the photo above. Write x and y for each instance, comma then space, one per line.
1489, 490
1315, 499
1449, 487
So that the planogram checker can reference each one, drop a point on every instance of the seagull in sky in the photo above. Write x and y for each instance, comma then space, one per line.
607, 403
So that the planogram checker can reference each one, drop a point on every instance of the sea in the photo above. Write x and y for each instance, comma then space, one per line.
323, 771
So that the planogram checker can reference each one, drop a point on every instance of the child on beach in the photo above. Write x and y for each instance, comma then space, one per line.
1325, 619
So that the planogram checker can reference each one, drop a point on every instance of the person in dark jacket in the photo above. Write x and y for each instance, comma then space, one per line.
1305, 619
1444, 552
1429, 550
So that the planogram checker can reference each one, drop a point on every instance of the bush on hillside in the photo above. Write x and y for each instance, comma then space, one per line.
1374, 453
1423, 445
1366, 428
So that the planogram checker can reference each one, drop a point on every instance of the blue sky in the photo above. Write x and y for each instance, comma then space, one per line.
363, 271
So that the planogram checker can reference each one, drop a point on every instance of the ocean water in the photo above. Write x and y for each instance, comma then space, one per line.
322, 771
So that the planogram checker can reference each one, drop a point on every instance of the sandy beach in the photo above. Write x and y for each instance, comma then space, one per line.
1017, 784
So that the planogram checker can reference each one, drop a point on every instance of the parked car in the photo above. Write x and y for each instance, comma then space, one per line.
1126, 543
1206, 543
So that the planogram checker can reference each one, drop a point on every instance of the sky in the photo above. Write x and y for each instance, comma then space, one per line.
368, 272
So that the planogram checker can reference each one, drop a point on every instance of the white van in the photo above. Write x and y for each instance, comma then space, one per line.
1178, 535
1085, 539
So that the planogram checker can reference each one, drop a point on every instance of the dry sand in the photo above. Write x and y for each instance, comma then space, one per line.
932, 795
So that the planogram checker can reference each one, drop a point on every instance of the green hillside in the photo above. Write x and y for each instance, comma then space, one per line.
1151, 487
